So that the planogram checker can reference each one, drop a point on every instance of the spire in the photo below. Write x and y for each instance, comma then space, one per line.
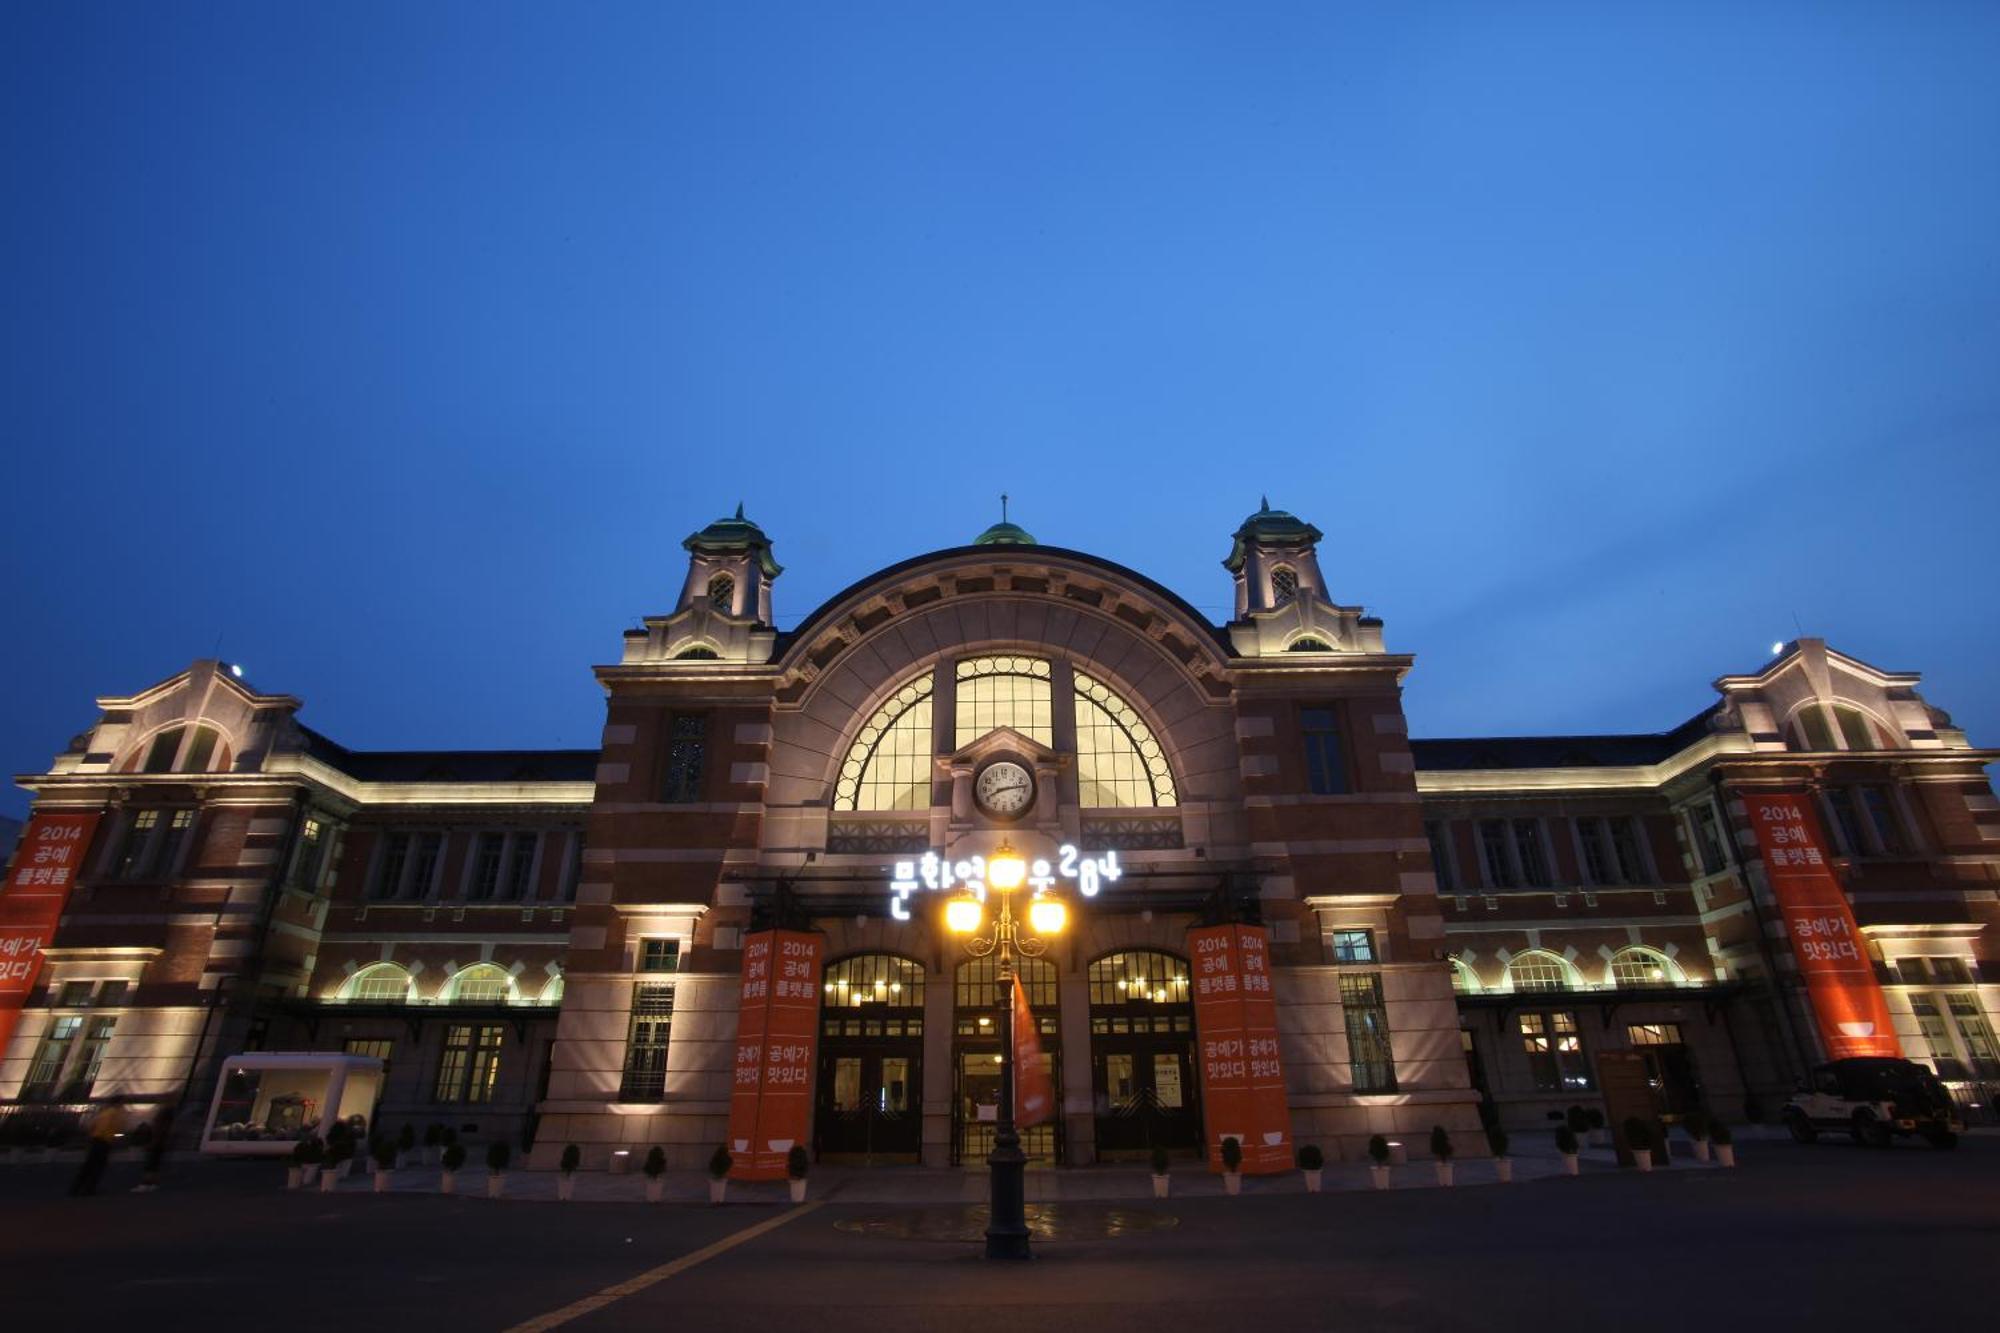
1005, 532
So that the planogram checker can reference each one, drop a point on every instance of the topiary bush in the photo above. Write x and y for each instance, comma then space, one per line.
797, 1162
498, 1154
1310, 1157
1566, 1143
1159, 1161
1638, 1134
719, 1162
1496, 1140
1378, 1149
656, 1163
454, 1156
1232, 1154
1440, 1143
572, 1158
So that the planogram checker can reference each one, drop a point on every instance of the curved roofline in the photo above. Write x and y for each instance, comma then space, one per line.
1003, 554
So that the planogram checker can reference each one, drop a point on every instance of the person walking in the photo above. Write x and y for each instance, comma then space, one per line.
156, 1149
103, 1129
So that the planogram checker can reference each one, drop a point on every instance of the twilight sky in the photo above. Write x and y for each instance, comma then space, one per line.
392, 349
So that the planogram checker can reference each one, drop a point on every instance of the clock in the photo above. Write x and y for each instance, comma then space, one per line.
1004, 789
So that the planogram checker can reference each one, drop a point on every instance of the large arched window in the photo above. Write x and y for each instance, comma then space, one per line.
976, 994
1004, 692
1640, 969
1817, 726
1140, 991
185, 749
1538, 969
552, 990
384, 983
889, 765
884, 980
1119, 762
1463, 979
482, 983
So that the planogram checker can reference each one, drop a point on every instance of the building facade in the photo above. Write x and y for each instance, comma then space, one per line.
548, 944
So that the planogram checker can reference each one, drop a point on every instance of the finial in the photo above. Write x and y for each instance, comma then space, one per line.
739, 509
1003, 506
1263, 500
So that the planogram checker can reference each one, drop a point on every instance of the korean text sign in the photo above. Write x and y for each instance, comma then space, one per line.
1236, 1022
46, 864
1846, 998
777, 1037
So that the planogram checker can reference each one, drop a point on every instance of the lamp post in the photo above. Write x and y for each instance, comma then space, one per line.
1007, 1225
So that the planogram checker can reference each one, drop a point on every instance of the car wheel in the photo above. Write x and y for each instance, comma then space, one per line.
1802, 1128
1870, 1131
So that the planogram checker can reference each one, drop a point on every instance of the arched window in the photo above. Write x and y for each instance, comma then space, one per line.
698, 653
1118, 760
1642, 969
1306, 643
1817, 726
722, 593
186, 749
888, 767
552, 990
1464, 981
1539, 969
384, 983
1854, 728
976, 994
1140, 991
1284, 585
1004, 692
482, 983
874, 980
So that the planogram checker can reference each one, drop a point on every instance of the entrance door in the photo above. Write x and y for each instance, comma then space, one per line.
976, 1112
868, 1105
1145, 1097
1670, 1068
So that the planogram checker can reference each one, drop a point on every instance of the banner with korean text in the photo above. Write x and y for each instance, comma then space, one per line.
1236, 1022
44, 870
1847, 999
777, 1036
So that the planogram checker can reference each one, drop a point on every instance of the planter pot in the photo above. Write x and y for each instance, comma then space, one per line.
1572, 1164
329, 1181
1444, 1172
1312, 1181
1725, 1153
798, 1189
1232, 1182
294, 1177
496, 1184
656, 1188
1600, 1138
309, 1175
1701, 1150
381, 1182
1380, 1175
347, 1168
566, 1186
718, 1190
1160, 1184
1503, 1170
434, 1155
447, 1181
1643, 1158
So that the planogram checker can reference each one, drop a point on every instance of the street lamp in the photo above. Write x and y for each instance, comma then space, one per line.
1007, 1227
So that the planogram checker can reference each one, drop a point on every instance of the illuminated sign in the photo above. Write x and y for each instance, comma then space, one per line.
939, 874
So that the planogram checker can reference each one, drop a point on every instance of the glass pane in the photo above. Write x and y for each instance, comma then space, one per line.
1167, 1081
1118, 1079
895, 1090
847, 1083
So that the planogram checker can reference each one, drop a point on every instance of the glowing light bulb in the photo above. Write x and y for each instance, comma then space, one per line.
962, 915
1048, 916
1005, 870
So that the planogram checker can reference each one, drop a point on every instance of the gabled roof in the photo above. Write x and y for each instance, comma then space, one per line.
453, 765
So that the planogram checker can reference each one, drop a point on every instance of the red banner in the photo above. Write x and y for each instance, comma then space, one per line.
1034, 1094
777, 1035
46, 863
1242, 1078
1846, 998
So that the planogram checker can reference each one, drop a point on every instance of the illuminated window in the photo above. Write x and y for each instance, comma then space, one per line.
384, 983
1538, 970
659, 954
888, 767
1284, 585
687, 748
1119, 762
1641, 969
552, 990
381, 1048
1140, 991
976, 994
1306, 643
874, 980
698, 653
51, 1057
722, 593
1463, 979
1554, 1048
470, 1069
645, 1077
1653, 1034
1370, 1061
1353, 946
309, 859
482, 983
1004, 692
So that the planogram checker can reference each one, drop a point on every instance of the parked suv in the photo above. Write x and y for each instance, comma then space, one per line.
1874, 1100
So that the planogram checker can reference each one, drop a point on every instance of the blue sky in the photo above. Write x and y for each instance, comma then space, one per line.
391, 350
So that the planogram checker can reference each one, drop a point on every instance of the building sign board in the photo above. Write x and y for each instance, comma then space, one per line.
777, 1037
1236, 1024
47, 861
1847, 1000
935, 872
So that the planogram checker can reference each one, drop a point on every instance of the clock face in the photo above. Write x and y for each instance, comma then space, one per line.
1004, 788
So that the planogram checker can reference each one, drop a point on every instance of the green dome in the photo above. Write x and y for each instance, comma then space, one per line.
730, 536
1269, 527
1005, 534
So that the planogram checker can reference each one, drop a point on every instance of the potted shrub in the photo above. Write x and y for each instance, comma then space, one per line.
1593, 1121
719, 1163
1695, 1122
1160, 1177
1232, 1165
1441, 1149
453, 1157
797, 1162
306, 1154
383, 1150
1663, 1147
1639, 1138
406, 1145
339, 1152
572, 1158
1503, 1165
1724, 1141
1311, 1162
1378, 1153
433, 1143
1567, 1145
498, 1154
656, 1172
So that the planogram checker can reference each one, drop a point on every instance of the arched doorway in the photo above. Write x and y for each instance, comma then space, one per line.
976, 1055
1142, 1055
871, 1059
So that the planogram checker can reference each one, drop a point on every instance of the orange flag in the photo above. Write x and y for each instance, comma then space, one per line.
1034, 1099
